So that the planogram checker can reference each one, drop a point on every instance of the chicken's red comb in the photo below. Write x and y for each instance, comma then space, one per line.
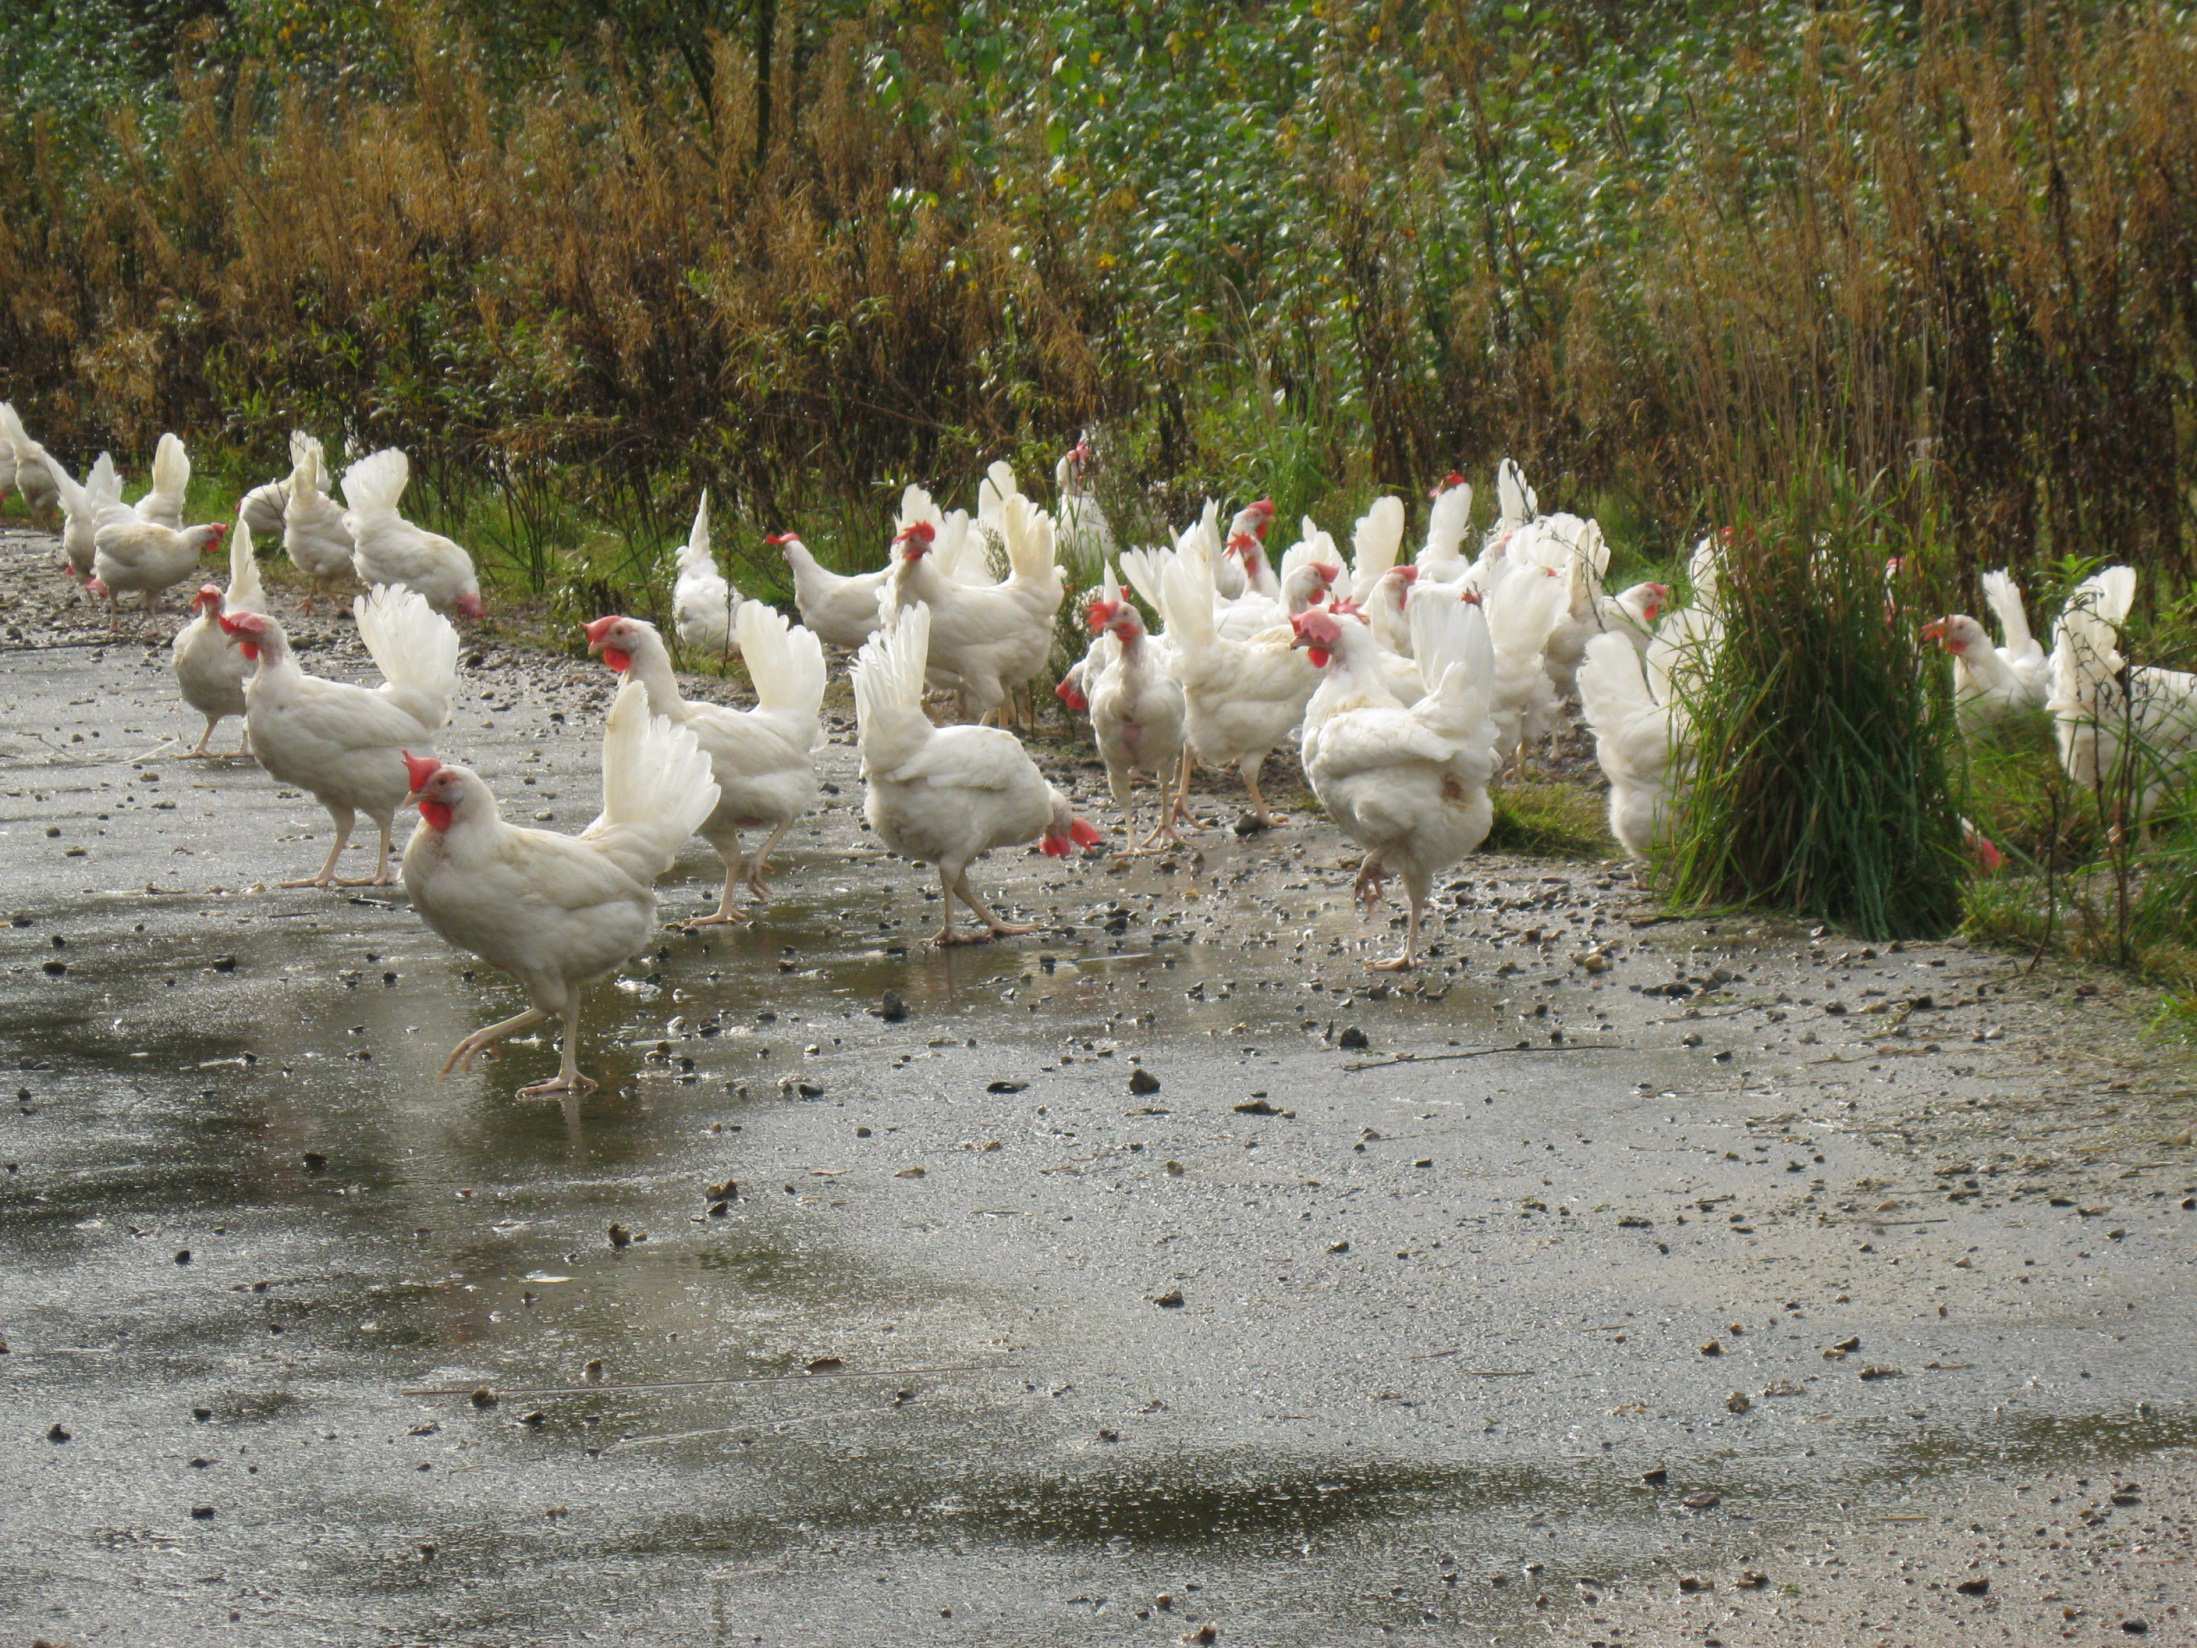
921, 532
242, 623
601, 627
1327, 570
1100, 613
1406, 574
418, 769
775, 539
1072, 695
1314, 624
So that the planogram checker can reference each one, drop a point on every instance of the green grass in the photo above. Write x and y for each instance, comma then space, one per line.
1551, 818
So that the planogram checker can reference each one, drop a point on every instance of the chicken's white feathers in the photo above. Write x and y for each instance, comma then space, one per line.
1028, 532
888, 689
1513, 496
785, 661
1375, 543
414, 647
694, 554
375, 484
657, 787
1448, 519
244, 593
163, 504
2004, 597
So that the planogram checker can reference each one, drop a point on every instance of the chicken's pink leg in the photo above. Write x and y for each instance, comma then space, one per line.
999, 928
568, 1078
462, 1056
327, 876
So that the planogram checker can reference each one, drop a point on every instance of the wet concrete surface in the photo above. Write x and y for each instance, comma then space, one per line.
1504, 1305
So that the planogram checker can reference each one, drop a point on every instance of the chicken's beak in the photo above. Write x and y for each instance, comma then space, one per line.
1935, 631
598, 632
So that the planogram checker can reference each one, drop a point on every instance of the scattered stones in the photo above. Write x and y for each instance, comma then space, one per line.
1142, 1082
1170, 1300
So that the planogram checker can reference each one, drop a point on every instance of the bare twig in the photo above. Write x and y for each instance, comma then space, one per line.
1489, 1052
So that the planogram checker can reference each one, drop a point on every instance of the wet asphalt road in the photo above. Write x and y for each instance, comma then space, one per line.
932, 1329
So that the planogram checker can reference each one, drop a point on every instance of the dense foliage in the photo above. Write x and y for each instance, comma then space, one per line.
569, 253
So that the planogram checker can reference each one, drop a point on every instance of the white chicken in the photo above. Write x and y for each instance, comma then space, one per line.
1085, 533
1239, 554
1636, 707
703, 600
1241, 697
1441, 558
2101, 704
1407, 782
763, 758
1523, 605
345, 743
264, 509
838, 610
209, 671
983, 641
1137, 712
556, 911
391, 550
315, 531
31, 476
1992, 684
945, 796
162, 504
85, 509
137, 555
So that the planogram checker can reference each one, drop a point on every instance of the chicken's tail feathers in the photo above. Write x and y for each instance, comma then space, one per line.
244, 593
694, 554
2004, 597
307, 452
1185, 596
888, 671
375, 484
74, 499
1446, 632
104, 483
1146, 571
785, 661
413, 645
1513, 495
1375, 544
2086, 644
1448, 520
171, 468
1029, 535
992, 492
657, 787
1312, 548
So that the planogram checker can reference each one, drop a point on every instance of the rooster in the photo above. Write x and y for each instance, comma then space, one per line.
762, 758
1408, 783
839, 611
983, 641
1137, 710
208, 669
391, 550
264, 508
315, 530
1992, 684
139, 555
703, 601
344, 743
2101, 702
557, 911
945, 796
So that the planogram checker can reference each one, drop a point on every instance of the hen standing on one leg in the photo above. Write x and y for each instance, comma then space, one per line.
558, 911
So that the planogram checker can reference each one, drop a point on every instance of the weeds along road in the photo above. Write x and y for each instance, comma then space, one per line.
1616, 1280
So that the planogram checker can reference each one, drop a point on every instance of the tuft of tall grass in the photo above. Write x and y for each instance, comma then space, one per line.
1821, 760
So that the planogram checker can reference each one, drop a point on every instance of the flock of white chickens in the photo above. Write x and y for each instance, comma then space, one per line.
1406, 686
